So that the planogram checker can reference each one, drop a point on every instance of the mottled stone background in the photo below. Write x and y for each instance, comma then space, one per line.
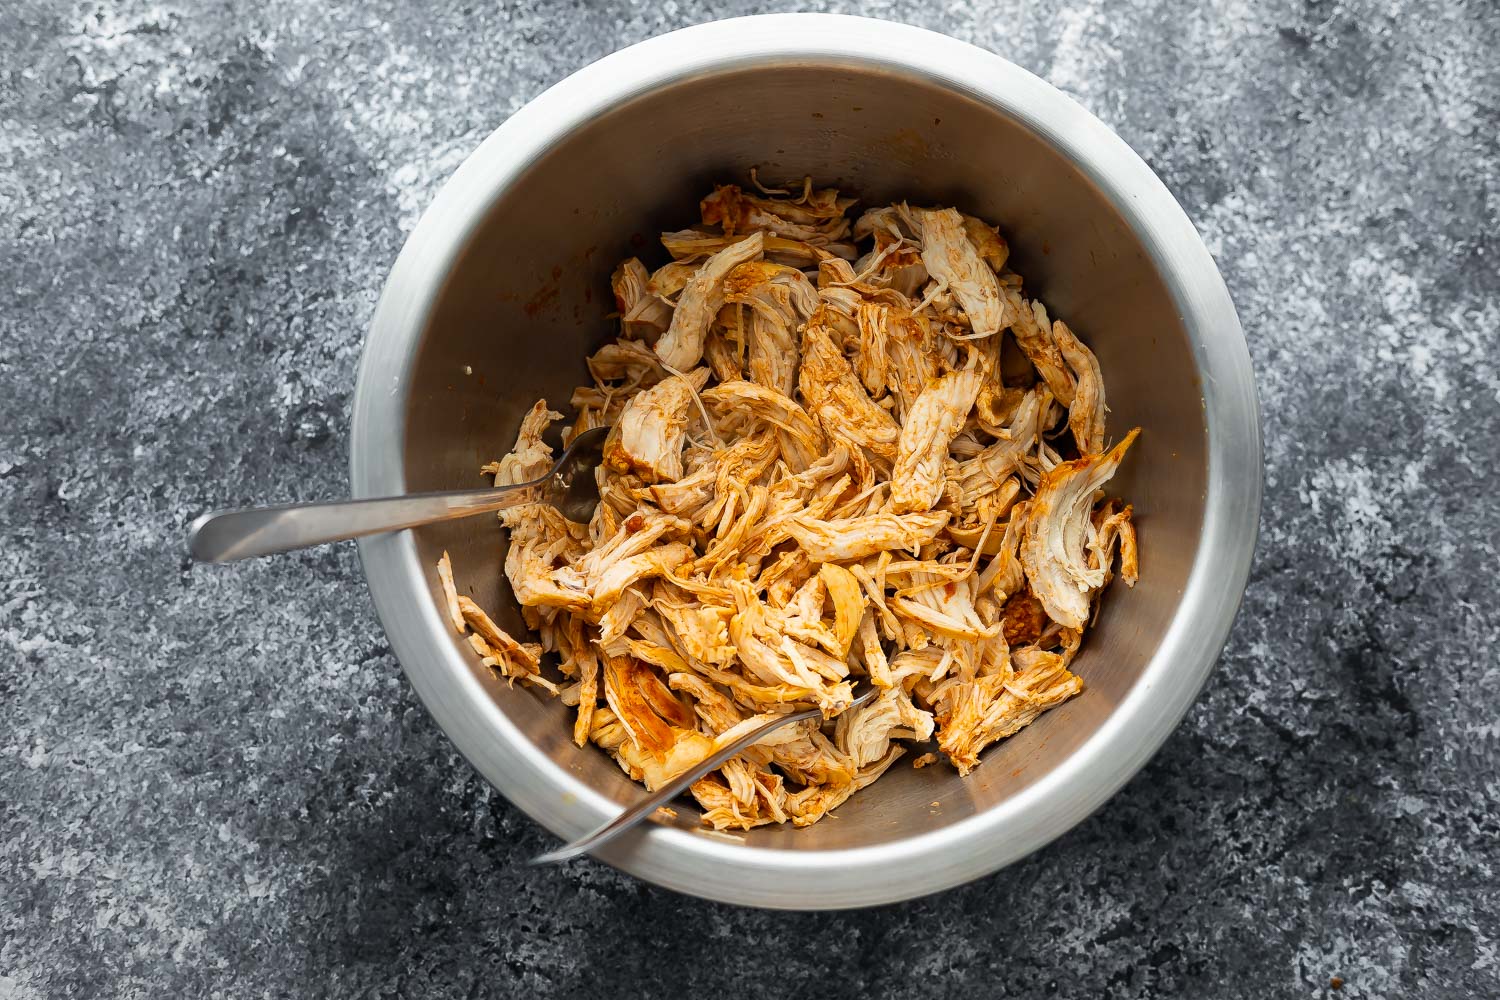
217, 782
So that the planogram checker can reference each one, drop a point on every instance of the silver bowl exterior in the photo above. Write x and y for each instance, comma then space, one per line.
502, 289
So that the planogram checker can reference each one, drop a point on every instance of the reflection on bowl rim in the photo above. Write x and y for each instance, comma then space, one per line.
712, 866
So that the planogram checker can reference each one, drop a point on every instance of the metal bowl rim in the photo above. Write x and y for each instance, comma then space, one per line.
718, 868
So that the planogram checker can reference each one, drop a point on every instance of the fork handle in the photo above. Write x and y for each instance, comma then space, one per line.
228, 535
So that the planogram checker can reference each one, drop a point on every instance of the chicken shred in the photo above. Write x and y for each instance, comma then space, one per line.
951, 257
649, 438
836, 397
818, 471
682, 345
1058, 526
922, 453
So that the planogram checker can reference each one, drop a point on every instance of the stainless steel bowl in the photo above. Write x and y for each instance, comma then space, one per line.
502, 290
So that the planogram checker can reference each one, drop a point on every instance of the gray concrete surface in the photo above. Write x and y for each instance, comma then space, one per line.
215, 782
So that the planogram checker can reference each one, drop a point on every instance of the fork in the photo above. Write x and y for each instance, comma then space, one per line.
227, 535
676, 786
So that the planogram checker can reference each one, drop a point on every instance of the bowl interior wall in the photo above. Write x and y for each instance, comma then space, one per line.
529, 299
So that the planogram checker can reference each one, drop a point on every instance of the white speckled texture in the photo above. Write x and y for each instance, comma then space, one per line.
216, 781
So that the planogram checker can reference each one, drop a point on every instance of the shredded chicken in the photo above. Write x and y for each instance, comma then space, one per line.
649, 437
1058, 528
952, 258
682, 345
922, 453
817, 472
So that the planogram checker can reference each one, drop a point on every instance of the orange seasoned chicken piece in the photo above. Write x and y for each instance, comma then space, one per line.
922, 451
836, 398
682, 345
1053, 548
953, 261
850, 538
648, 439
